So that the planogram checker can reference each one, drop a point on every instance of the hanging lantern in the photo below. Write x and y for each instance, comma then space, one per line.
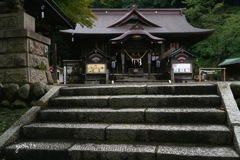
72, 37
42, 11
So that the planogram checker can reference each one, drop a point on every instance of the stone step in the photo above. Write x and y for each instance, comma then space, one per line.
173, 89
171, 133
134, 115
136, 101
100, 115
90, 151
150, 152
45, 150
185, 115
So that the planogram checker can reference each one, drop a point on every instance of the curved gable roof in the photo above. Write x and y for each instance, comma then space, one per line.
134, 14
137, 30
173, 24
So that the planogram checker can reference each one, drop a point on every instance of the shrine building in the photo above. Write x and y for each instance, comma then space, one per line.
135, 43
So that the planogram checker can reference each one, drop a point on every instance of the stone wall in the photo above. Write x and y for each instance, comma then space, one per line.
23, 53
14, 96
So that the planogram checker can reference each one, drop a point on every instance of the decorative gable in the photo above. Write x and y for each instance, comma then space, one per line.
133, 17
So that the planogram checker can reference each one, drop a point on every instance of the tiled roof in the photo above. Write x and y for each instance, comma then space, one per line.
160, 21
230, 61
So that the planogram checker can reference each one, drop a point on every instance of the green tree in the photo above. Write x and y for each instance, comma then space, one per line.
107, 4
198, 11
225, 41
78, 11
139, 3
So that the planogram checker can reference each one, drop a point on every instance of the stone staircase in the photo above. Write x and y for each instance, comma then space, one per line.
129, 122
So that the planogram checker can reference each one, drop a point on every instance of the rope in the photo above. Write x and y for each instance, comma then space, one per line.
134, 60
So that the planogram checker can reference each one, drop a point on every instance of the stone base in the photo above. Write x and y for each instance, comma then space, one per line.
23, 53
24, 75
17, 21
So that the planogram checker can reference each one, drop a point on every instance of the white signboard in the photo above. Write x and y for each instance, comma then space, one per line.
182, 68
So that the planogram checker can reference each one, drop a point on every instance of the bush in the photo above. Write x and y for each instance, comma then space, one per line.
235, 90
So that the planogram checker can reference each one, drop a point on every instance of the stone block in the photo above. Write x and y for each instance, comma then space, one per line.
17, 45
112, 152
20, 60
236, 139
212, 134
17, 21
39, 37
39, 150
104, 115
25, 33
37, 75
2, 76
38, 62
2, 34
105, 90
3, 46
179, 152
16, 75
134, 101
183, 89
49, 77
37, 48
7, 60
185, 115
65, 131
80, 101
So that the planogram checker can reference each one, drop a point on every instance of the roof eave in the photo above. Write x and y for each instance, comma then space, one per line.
66, 21
136, 32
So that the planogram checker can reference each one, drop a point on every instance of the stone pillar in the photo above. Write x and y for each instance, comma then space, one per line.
23, 53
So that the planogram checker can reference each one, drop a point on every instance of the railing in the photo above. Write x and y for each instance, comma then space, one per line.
212, 69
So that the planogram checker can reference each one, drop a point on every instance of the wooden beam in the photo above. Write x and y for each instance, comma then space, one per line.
166, 54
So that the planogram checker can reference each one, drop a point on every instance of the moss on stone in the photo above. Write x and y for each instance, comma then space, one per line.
42, 66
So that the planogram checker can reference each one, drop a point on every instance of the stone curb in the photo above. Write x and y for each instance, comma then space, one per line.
233, 113
53, 92
13, 133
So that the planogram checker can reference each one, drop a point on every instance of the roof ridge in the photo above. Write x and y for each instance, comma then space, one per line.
128, 16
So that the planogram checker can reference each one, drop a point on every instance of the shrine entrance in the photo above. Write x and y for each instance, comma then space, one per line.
136, 63
136, 52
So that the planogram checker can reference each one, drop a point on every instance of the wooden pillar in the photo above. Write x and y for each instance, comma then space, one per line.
123, 64
149, 64
172, 76
172, 72
224, 74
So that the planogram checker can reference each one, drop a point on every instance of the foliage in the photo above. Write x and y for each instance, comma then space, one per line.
201, 9
139, 3
78, 11
8, 117
225, 42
